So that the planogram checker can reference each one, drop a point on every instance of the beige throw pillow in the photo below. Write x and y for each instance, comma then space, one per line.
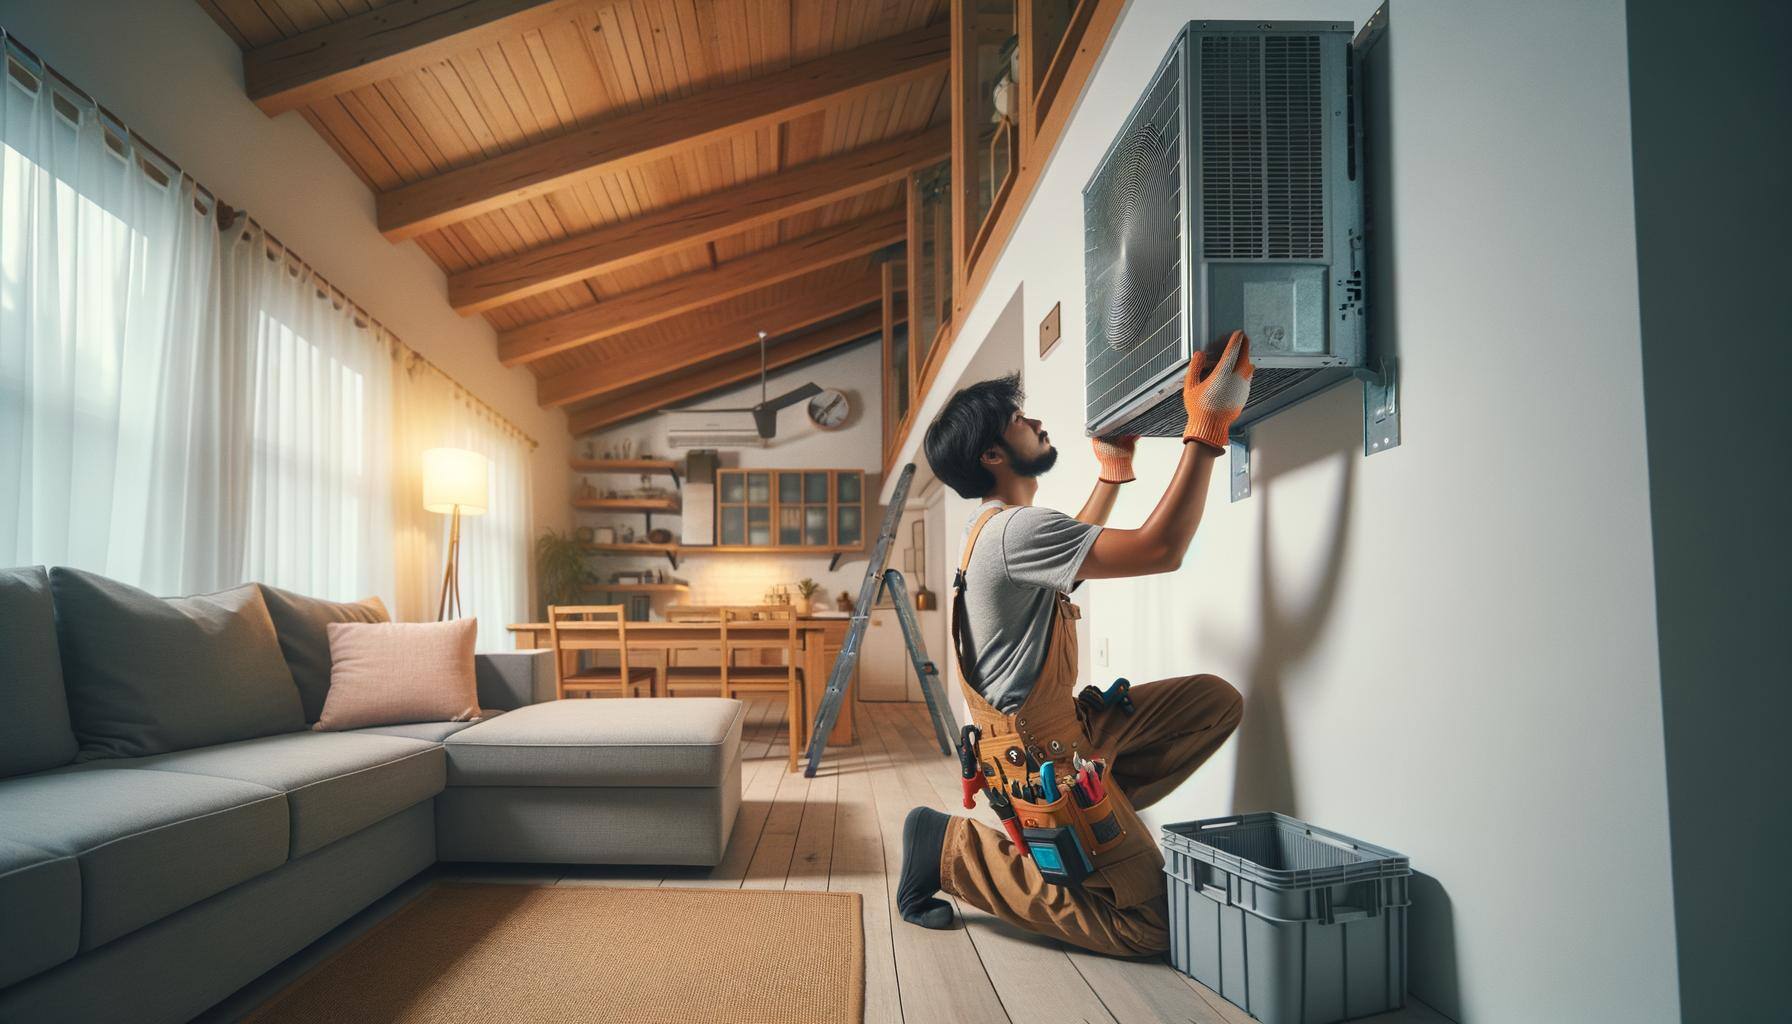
390, 673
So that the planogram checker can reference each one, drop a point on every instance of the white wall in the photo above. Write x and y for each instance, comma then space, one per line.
1448, 649
743, 578
172, 75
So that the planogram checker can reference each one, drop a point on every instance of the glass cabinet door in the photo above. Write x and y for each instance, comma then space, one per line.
847, 525
815, 487
790, 488
992, 107
733, 488
734, 525
759, 524
930, 266
790, 524
815, 525
759, 488
847, 487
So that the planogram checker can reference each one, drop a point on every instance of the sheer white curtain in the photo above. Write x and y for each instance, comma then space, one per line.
429, 411
185, 406
113, 375
318, 498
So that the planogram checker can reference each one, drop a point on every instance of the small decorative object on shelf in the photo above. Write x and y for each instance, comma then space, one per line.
628, 535
659, 535
586, 535
587, 490
604, 535
843, 602
806, 589
590, 449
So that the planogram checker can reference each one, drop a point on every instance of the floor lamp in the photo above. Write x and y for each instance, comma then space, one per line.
456, 482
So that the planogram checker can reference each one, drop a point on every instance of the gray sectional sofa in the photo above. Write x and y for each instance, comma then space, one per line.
170, 828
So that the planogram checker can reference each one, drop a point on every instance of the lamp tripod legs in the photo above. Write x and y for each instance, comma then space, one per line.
449, 605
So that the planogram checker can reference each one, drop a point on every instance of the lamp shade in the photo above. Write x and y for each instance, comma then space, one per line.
456, 477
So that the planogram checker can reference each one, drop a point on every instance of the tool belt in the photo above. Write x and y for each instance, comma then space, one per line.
1066, 821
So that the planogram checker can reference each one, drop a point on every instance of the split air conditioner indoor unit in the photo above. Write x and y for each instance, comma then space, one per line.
1231, 198
712, 428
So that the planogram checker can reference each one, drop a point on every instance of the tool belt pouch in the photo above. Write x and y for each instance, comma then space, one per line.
1067, 841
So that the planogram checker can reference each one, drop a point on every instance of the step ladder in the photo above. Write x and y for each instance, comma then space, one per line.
881, 579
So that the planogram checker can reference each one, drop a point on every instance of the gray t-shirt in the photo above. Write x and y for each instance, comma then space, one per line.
1024, 558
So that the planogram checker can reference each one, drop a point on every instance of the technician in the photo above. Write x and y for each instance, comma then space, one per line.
1014, 632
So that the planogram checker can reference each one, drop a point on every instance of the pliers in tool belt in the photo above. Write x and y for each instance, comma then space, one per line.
1119, 694
969, 765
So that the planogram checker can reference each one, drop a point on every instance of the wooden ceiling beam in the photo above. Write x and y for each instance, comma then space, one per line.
687, 292
704, 219
383, 43
623, 361
659, 130
658, 394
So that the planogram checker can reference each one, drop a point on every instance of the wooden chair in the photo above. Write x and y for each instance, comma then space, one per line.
594, 627
689, 613
752, 630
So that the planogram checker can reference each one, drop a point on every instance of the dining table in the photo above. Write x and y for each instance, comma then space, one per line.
819, 638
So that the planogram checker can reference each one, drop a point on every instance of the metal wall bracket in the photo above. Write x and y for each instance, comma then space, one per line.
1240, 447
1381, 407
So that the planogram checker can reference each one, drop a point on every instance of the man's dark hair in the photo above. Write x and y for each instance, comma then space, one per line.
971, 423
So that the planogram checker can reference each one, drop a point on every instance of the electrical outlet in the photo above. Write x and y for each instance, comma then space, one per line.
1101, 652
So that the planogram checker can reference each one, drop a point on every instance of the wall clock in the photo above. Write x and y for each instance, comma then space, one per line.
829, 409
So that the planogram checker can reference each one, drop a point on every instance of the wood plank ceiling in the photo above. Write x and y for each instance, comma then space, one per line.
626, 189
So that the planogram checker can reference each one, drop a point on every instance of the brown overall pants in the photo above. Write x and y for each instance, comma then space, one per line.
1178, 723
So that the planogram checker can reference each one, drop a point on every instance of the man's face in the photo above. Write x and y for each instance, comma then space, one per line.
1029, 447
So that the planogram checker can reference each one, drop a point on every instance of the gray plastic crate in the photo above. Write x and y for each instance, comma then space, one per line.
1293, 924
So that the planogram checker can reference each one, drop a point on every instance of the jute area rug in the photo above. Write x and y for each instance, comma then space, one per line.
482, 953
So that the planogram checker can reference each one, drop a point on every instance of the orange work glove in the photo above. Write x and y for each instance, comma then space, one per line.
1115, 456
1214, 391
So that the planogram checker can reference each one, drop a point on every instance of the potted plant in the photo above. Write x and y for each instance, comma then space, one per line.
559, 567
805, 589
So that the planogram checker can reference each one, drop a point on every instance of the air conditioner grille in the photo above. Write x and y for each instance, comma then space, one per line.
1262, 148
1132, 238
1232, 147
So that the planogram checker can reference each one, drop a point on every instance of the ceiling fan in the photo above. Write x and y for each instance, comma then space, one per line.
765, 414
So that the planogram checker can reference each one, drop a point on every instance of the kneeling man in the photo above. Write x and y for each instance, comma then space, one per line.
1053, 764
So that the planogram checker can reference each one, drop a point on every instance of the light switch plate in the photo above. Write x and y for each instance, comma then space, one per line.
1101, 652
1050, 330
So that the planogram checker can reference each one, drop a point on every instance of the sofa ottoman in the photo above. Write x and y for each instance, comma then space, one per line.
594, 782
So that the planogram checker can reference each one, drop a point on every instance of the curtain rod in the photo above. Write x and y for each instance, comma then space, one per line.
227, 216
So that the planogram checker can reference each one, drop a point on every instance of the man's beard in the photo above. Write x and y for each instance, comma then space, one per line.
1029, 468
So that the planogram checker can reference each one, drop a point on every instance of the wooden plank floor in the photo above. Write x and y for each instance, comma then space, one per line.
842, 831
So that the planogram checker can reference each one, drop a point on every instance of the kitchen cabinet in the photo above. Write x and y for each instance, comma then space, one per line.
796, 510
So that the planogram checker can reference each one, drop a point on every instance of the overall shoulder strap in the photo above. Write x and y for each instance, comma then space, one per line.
960, 645
971, 541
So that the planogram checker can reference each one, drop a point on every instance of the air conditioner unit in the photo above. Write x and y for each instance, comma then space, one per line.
706, 428
1231, 198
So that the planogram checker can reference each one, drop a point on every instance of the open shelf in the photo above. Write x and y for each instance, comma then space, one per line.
625, 466
633, 549
627, 504
636, 588
774, 549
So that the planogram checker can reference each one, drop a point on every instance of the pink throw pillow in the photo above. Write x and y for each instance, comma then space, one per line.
390, 673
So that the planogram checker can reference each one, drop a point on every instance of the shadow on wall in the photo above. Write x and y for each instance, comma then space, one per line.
1290, 625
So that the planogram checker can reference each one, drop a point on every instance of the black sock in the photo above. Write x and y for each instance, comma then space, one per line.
923, 841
